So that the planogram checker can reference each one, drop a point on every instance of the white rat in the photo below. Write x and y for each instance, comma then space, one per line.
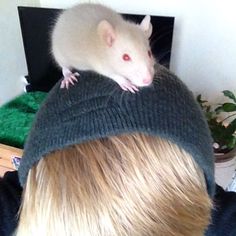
94, 37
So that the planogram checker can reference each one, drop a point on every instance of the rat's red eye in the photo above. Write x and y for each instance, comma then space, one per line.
126, 57
149, 53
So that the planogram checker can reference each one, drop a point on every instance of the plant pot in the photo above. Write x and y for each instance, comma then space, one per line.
224, 172
223, 157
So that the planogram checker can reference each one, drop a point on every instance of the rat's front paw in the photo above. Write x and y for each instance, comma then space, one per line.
69, 78
128, 86
125, 84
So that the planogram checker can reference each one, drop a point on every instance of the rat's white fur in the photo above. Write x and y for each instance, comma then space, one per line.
94, 37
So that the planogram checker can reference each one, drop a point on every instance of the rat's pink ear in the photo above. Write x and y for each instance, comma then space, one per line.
106, 32
146, 25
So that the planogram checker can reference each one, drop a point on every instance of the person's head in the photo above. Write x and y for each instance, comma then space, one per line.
117, 165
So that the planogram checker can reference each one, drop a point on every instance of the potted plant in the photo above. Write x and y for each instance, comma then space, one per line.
222, 124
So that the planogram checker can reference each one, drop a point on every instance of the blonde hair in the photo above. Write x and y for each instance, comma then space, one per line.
124, 185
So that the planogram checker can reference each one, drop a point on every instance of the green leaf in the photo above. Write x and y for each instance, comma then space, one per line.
232, 126
219, 109
232, 142
229, 94
199, 97
200, 101
229, 107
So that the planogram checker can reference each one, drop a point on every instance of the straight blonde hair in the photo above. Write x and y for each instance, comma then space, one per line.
134, 185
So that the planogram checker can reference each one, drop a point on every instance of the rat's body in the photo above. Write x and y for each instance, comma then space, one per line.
94, 37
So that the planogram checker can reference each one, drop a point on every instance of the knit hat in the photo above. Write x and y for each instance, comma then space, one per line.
96, 107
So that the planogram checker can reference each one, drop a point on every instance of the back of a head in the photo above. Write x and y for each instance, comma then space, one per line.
130, 184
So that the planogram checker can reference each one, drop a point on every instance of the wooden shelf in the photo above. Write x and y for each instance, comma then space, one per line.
6, 154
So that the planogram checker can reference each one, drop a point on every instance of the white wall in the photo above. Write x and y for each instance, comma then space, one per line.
204, 46
12, 60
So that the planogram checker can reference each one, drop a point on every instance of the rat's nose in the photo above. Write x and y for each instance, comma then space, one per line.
145, 75
147, 80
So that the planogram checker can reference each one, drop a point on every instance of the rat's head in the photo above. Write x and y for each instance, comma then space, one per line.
128, 50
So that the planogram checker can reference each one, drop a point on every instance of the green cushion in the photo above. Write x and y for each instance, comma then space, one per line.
16, 118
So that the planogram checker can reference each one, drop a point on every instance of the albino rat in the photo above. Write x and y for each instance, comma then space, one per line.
93, 37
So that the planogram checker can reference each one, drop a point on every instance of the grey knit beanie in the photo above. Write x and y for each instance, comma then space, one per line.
96, 107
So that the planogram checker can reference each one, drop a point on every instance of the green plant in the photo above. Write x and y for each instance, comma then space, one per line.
223, 130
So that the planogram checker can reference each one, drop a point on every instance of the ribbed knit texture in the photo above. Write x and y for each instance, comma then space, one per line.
96, 107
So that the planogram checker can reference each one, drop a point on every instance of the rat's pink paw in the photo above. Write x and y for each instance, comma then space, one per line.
128, 86
69, 78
